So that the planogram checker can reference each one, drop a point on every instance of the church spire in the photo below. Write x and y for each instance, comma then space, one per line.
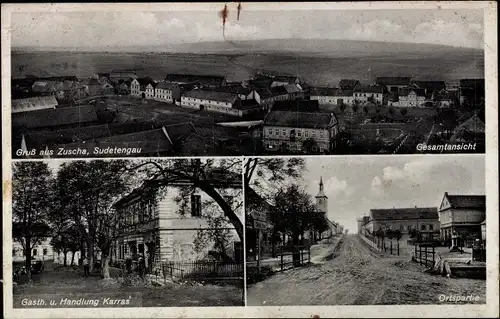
321, 190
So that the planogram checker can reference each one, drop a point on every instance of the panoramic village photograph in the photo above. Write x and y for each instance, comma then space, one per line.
127, 233
240, 80
365, 231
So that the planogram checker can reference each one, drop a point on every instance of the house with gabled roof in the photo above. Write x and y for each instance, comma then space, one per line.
423, 219
373, 93
282, 80
348, 84
332, 96
409, 97
393, 83
221, 102
289, 131
152, 227
167, 92
428, 86
138, 87
462, 215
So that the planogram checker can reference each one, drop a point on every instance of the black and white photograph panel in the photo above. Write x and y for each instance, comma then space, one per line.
127, 233
226, 79
399, 230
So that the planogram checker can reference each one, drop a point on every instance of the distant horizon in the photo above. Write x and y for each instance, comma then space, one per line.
180, 44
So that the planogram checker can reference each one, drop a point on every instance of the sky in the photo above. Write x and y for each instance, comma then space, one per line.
462, 28
355, 185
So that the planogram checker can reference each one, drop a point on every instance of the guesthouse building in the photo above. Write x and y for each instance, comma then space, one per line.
300, 131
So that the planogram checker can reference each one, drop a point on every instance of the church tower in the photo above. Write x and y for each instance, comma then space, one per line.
321, 199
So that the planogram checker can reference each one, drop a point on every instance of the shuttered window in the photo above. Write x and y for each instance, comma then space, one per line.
195, 205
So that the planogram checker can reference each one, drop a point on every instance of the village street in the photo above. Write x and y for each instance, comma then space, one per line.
359, 276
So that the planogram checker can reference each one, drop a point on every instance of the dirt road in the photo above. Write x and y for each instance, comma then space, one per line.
359, 276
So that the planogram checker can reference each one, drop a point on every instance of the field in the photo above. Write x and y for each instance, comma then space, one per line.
320, 69
357, 275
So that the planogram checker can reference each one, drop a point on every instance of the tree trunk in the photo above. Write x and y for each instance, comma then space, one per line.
65, 258
90, 254
105, 263
228, 211
27, 264
296, 251
72, 258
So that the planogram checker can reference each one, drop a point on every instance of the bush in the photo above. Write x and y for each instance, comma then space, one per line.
253, 276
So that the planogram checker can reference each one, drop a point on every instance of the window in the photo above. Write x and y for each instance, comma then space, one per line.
277, 132
422, 227
299, 133
313, 133
322, 134
34, 252
431, 227
45, 251
283, 131
195, 205
270, 131
306, 133
13, 252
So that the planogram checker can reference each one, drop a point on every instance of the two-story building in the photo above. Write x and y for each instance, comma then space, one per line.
283, 80
423, 219
411, 97
42, 250
150, 90
462, 215
289, 131
167, 92
138, 87
332, 96
162, 226
374, 94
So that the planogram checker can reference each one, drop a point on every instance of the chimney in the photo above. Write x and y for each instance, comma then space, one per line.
445, 193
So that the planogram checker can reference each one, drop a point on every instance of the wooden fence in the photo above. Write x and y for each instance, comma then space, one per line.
302, 253
384, 245
211, 271
424, 255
